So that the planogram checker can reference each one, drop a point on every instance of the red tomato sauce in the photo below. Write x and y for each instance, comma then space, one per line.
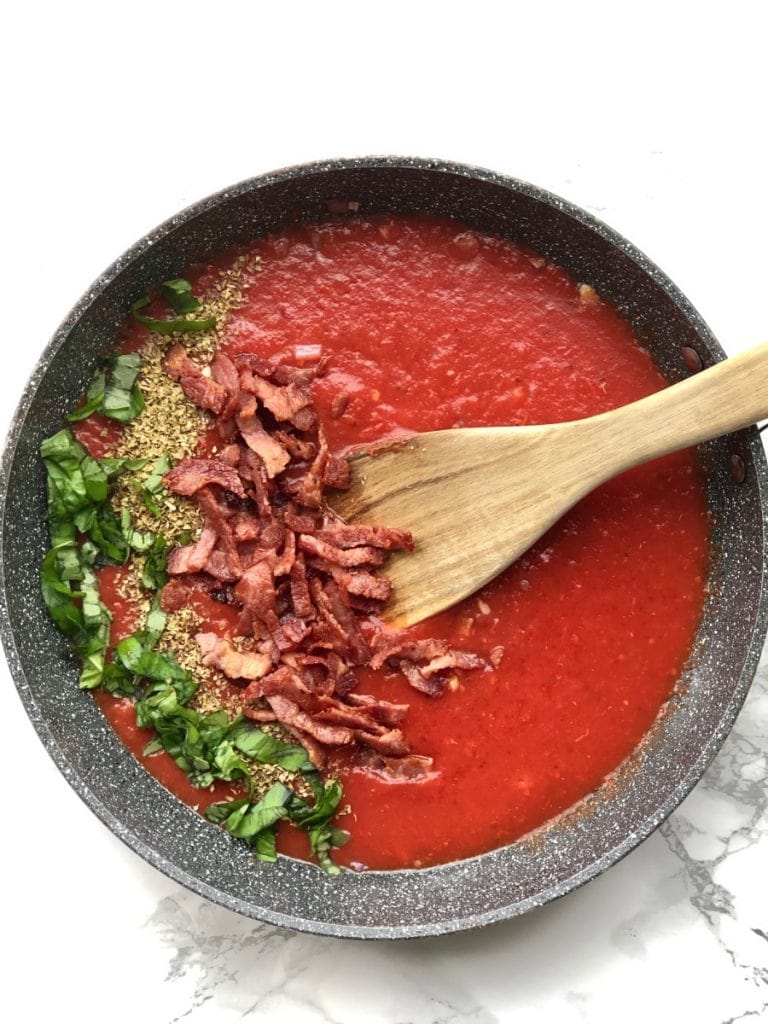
432, 326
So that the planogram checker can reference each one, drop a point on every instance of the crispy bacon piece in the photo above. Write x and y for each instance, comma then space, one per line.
438, 660
272, 453
343, 536
256, 592
339, 404
362, 584
201, 389
292, 715
190, 475
283, 402
193, 557
300, 595
437, 653
230, 455
382, 710
337, 473
302, 451
290, 634
221, 654
346, 557
224, 372
408, 768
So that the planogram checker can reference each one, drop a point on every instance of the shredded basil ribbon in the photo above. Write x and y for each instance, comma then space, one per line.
114, 391
178, 293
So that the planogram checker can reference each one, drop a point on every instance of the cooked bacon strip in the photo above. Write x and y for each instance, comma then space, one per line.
193, 557
337, 473
343, 536
333, 608
284, 563
194, 383
363, 584
433, 686
347, 557
302, 451
219, 565
285, 373
391, 742
382, 710
410, 767
339, 404
250, 361
394, 646
290, 634
300, 596
219, 653
316, 752
230, 455
283, 402
256, 592
190, 475
224, 372
292, 715
275, 457
310, 489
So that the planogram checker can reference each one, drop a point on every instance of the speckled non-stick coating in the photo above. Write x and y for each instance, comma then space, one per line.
454, 896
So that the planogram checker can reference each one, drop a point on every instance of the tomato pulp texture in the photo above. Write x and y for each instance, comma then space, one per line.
432, 326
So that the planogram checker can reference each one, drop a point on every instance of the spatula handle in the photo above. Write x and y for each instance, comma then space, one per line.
726, 397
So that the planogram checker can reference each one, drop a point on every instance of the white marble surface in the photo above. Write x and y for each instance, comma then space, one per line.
651, 116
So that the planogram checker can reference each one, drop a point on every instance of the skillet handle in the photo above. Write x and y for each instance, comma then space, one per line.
728, 396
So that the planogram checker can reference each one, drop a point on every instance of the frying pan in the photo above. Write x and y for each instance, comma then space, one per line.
554, 859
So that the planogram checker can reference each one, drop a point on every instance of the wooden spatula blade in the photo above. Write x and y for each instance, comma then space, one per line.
472, 500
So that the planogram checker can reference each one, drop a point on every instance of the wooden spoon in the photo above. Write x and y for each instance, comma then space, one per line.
476, 498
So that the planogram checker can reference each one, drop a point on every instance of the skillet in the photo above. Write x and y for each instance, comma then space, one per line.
505, 882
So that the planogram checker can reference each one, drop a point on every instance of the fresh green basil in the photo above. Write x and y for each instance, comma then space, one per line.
114, 391
179, 325
178, 294
266, 749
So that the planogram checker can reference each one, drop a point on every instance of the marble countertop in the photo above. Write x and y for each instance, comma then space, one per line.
653, 119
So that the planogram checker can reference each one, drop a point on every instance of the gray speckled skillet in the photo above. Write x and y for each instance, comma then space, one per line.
463, 894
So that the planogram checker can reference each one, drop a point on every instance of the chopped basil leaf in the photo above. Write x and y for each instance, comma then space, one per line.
269, 750
154, 575
264, 845
156, 620
59, 597
106, 532
93, 398
178, 293
123, 400
315, 819
191, 739
248, 821
114, 392
219, 813
137, 657
255, 822
96, 619
113, 467
138, 541
67, 493
229, 763
177, 326
153, 486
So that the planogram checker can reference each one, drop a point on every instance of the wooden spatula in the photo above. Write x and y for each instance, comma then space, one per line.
476, 498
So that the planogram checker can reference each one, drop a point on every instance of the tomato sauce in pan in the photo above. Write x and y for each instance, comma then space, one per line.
430, 326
